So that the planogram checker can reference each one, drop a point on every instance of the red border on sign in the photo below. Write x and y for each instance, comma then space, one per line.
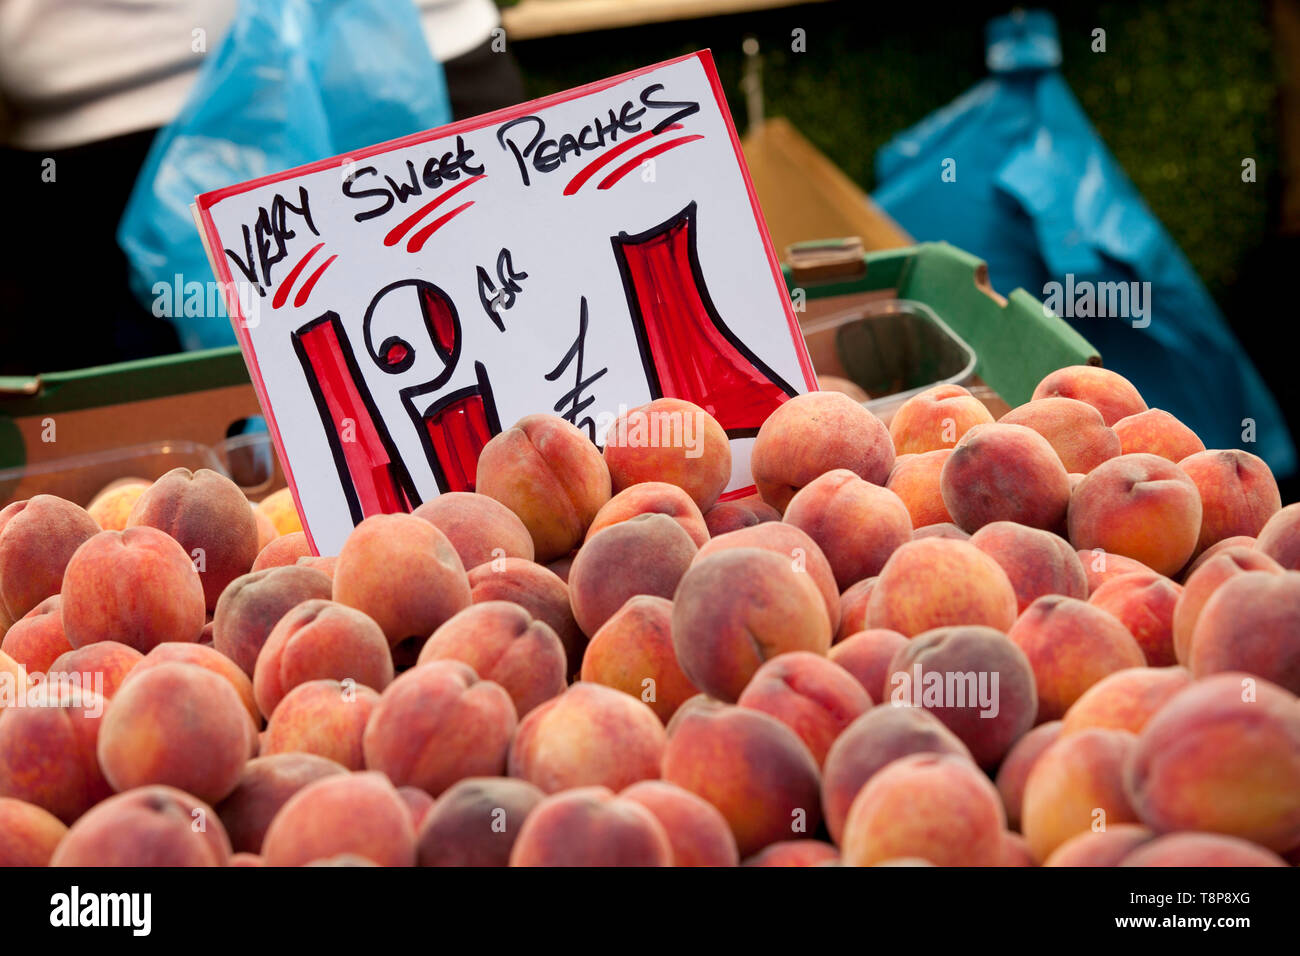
205, 202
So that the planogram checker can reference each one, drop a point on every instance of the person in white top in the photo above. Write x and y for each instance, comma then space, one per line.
88, 83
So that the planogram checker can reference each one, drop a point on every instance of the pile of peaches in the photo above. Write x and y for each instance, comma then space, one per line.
1067, 637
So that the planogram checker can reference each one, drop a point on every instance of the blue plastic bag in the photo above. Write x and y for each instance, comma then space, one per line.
1035, 193
293, 81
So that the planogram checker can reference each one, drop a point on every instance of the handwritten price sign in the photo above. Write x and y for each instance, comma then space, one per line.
582, 254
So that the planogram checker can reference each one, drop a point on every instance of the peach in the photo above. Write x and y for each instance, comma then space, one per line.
750, 766
791, 543
1037, 562
209, 517
561, 567
322, 717
265, 785
13, 680
1015, 851
1222, 756
47, 750
1280, 537
935, 582
915, 479
590, 826
155, 826
1019, 761
177, 725
811, 695
418, 802
853, 609
36, 639
343, 860
1156, 432
318, 640
205, 657
836, 383
549, 474
1204, 581
37, 540
936, 418
105, 663
937, 807
539, 592
1100, 566
279, 507
506, 645
1251, 623
1125, 700
795, 853
1071, 645
479, 528
878, 737
856, 524
437, 724
358, 813
266, 532
135, 586
1238, 493
476, 822
1140, 506
944, 529
1144, 603
1200, 850
1236, 541
633, 652
1004, 473
741, 513
1077, 784
652, 497
674, 441
28, 834
1106, 847
976, 681
281, 551
1076, 431
403, 573
866, 655
647, 554
740, 607
253, 604
812, 434
112, 506
325, 565
1109, 392
697, 830
591, 735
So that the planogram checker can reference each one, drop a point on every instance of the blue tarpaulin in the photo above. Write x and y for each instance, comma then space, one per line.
293, 81
1013, 172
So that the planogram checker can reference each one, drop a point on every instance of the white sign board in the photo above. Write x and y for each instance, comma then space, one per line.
581, 254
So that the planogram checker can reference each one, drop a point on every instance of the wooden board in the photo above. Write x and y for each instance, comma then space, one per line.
805, 196
542, 18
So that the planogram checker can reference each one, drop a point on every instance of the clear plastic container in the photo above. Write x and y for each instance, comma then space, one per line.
890, 348
79, 478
